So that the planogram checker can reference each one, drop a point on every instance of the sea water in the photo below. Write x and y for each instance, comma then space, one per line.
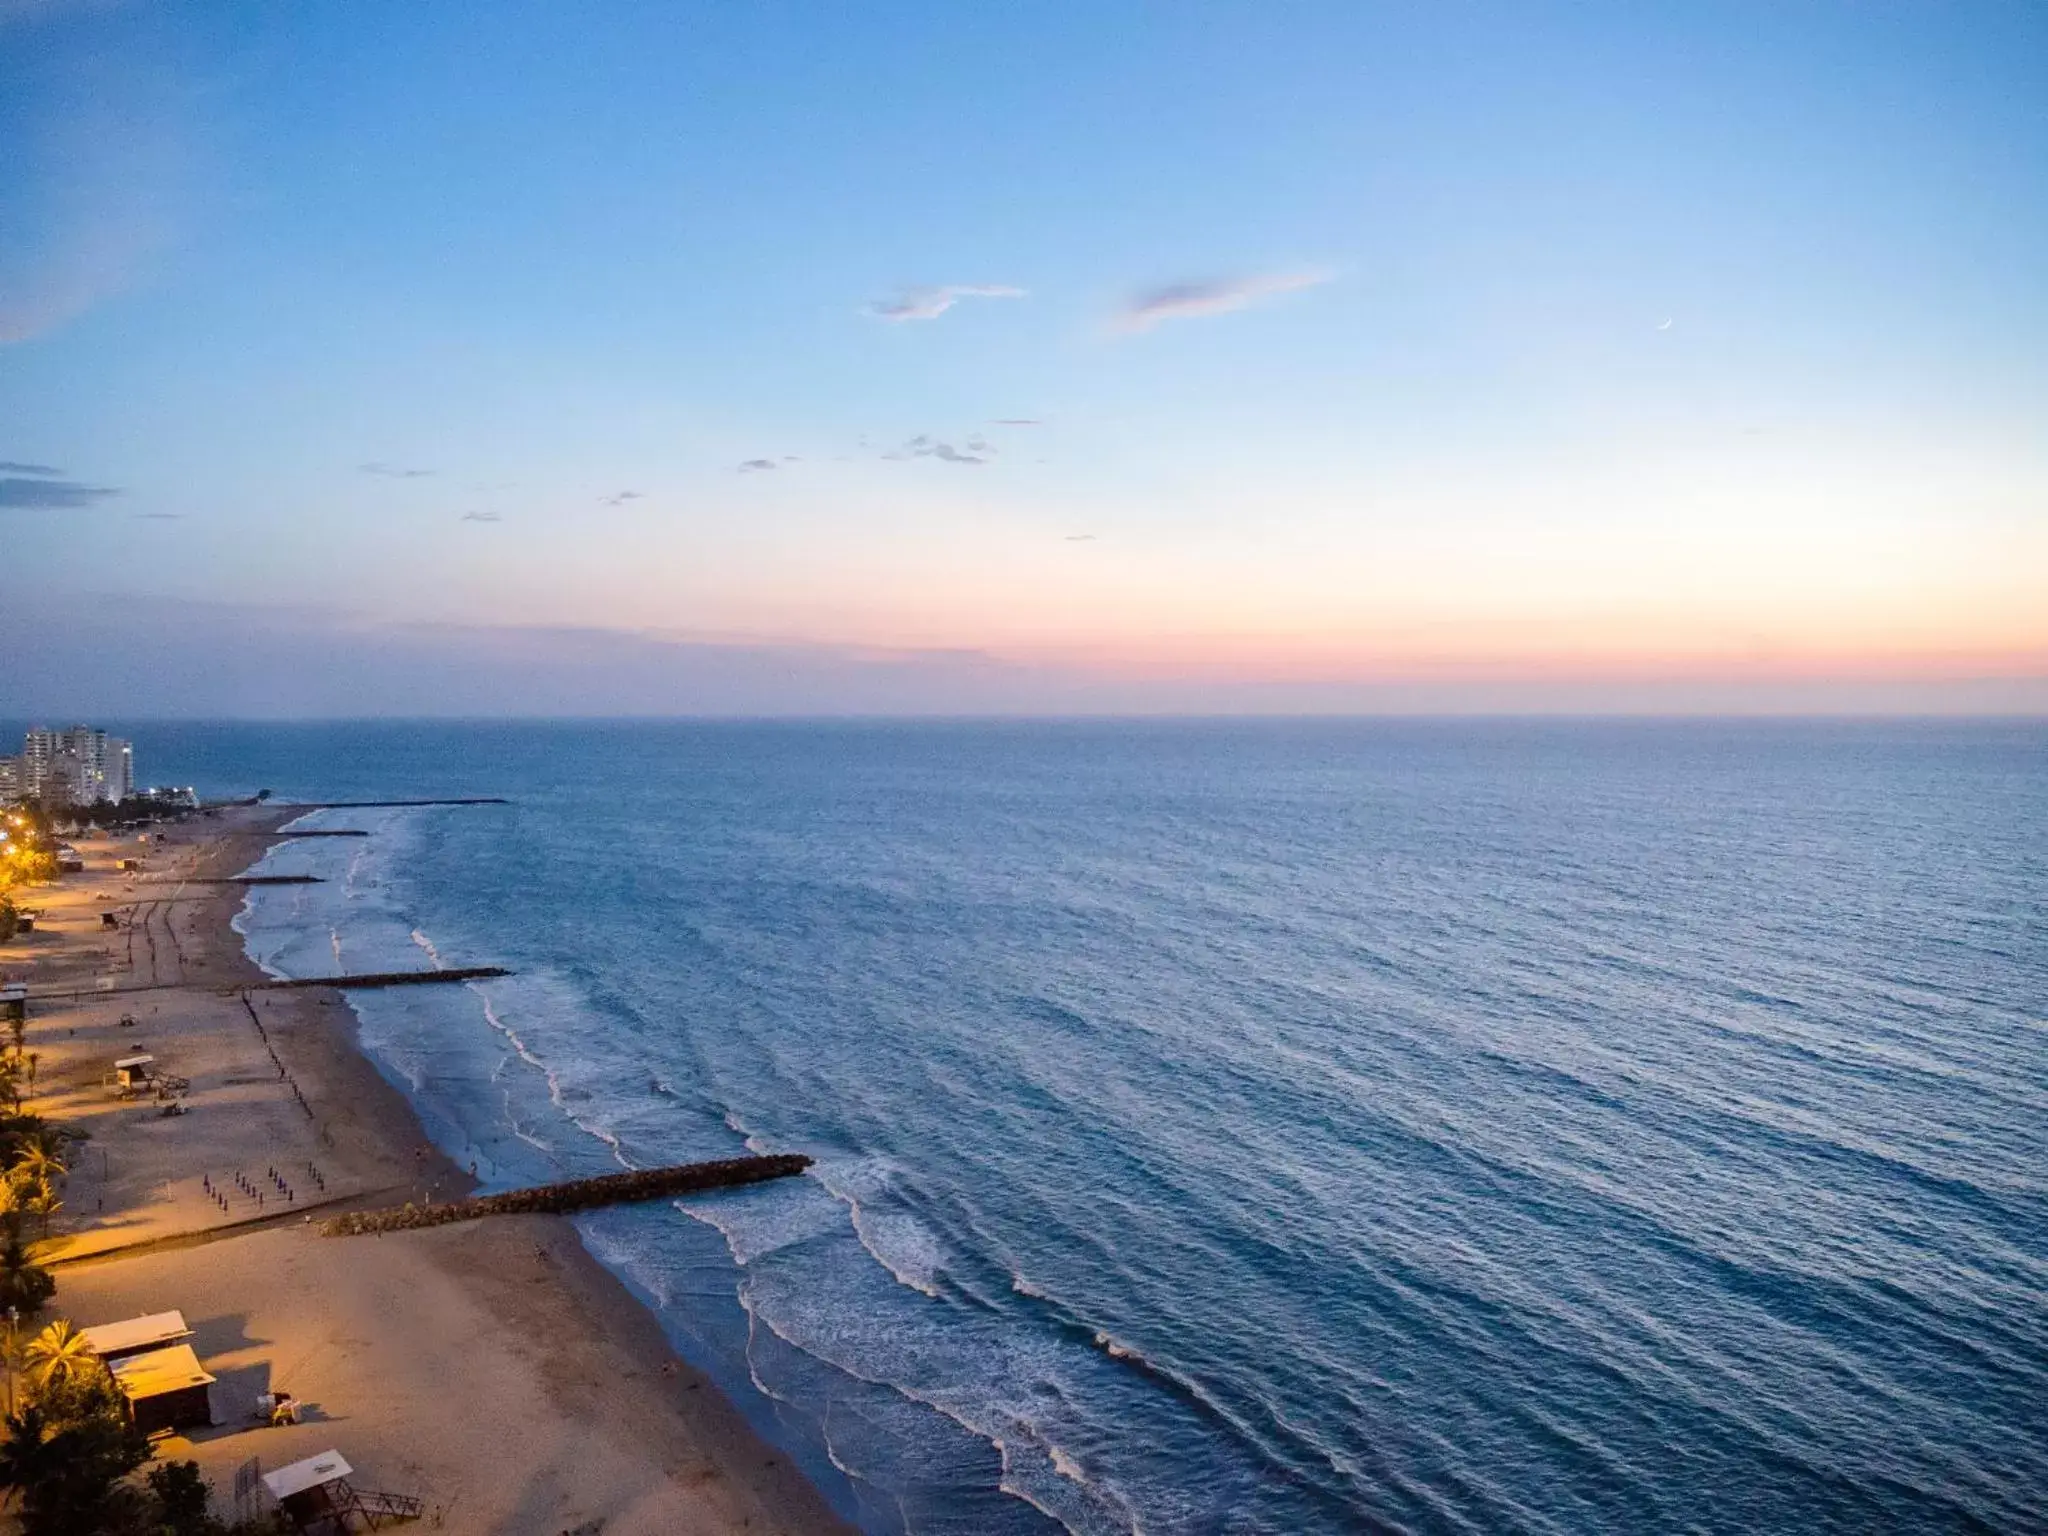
1266, 1127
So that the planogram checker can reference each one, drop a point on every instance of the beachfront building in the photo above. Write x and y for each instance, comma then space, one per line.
159, 1376
165, 1389
79, 765
13, 780
136, 1335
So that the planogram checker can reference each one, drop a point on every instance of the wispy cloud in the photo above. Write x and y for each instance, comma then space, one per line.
924, 446
8, 468
1190, 300
46, 492
481, 517
623, 497
1080, 538
753, 466
1016, 421
394, 471
930, 303
158, 517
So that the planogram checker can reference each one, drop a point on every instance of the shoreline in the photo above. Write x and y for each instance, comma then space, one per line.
502, 1324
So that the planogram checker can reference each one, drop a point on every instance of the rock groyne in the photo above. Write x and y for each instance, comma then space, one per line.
576, 1195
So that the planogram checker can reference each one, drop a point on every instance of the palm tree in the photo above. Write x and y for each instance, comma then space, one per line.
24, 1284
25, 1455
17, 1190
40, 1161
43, 1203
53, 1141
59, 1354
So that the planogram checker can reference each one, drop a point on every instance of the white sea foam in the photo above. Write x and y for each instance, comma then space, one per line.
761, 1221
1015, 1480
557, 1096
902, 1245
1109, 1346
897, 1240
572, 1059
1017, 1484
752, 1142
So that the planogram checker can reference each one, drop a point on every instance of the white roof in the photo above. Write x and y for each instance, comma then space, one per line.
13, 989
134, 1061
310, 1473
134, 1332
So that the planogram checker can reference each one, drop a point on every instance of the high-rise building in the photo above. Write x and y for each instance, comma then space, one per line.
80, 765
13, 779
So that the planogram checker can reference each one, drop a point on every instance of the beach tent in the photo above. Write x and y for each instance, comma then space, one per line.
165, 1388
113, 1341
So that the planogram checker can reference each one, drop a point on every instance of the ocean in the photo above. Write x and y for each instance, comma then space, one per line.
1296, 1127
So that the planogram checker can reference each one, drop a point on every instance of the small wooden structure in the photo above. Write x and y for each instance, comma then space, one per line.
14, 1000
138, 1074
165, 1389
136, 1335
132, 1074
315, 1494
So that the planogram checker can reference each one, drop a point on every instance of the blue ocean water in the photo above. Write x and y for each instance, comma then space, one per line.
1282, 1127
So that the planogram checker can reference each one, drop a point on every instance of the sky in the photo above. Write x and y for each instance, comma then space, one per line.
422, 358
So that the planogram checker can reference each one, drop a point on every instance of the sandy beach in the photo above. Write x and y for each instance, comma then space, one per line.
491, 1368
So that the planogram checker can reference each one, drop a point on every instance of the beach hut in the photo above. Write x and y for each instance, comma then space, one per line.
165, 1389
132, 1073
135, 1335
315, 1494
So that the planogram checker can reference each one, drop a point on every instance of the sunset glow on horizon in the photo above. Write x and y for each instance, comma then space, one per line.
1344, 346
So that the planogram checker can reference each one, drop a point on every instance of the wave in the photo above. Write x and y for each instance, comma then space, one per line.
1330, 1221
1109, 1346
1097, 1515
427, 945
895, 1239
756, 1223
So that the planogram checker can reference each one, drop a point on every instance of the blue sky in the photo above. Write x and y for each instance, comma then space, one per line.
1590, 345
